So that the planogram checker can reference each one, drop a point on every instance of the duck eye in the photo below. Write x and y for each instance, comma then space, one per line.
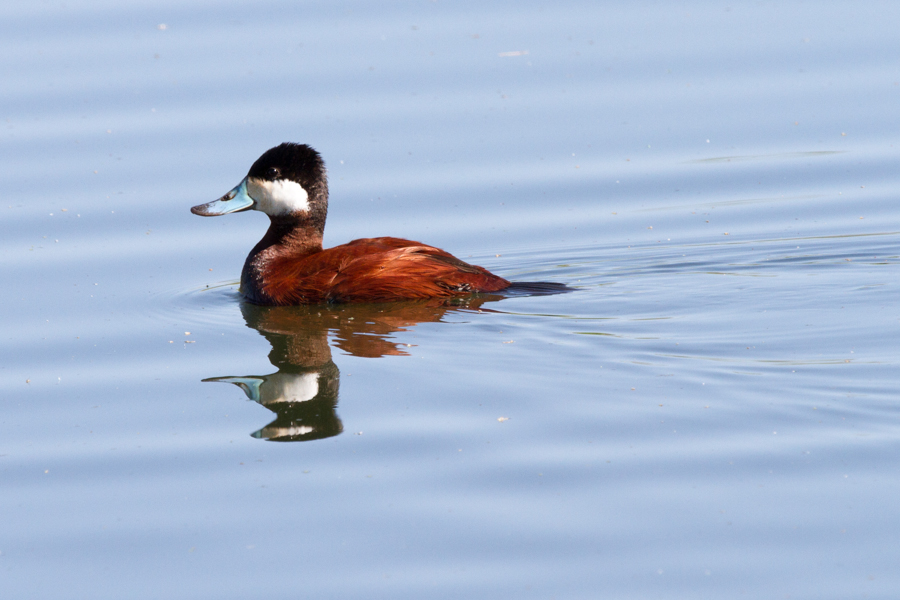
272, 174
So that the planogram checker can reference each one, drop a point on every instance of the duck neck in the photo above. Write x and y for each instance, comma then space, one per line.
289, 236
285, 237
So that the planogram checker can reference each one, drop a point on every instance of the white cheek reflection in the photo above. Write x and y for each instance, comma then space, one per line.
277, 198
289, 387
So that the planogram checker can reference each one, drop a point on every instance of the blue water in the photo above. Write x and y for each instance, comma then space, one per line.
712, 413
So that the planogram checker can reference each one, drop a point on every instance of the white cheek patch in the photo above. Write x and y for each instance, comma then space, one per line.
302, 388
292, 388
278, 198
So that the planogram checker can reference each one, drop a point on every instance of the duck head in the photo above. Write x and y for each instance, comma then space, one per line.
288, 183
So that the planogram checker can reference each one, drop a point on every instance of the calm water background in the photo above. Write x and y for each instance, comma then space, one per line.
713, 414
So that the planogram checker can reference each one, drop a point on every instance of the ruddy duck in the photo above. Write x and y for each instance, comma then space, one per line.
288, 266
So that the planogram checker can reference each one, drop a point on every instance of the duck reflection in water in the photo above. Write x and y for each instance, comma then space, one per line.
303, 393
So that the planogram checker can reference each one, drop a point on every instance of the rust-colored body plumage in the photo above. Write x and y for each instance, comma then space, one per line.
371, 270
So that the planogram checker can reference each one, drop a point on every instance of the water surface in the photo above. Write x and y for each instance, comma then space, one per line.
711, 413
